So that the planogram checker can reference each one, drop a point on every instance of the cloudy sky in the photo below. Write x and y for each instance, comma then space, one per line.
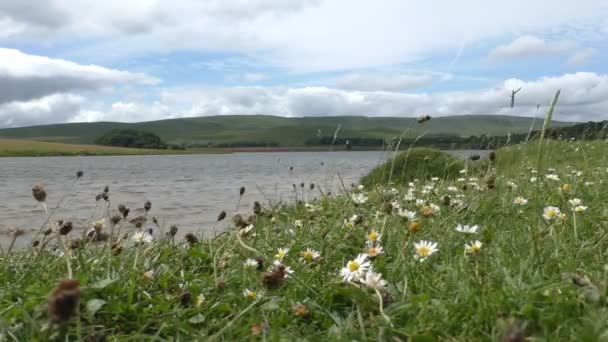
140, 60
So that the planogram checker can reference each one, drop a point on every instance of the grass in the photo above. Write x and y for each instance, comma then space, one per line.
29, 148
284, 131
533, 278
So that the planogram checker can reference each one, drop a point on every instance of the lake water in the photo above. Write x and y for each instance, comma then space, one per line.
186, 190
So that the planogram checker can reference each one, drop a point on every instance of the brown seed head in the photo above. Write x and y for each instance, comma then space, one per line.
301, 310
221, 216
275, 278
65, 228
242, 191
115, 219
191, 239
39, 193
79, 174
64, 300
147, 206
257, 208
173, 230
184, 298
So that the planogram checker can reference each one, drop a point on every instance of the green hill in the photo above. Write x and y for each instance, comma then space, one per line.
278, 131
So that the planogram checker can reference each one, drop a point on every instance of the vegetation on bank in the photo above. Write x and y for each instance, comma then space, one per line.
134, 139
521, 255
29, 148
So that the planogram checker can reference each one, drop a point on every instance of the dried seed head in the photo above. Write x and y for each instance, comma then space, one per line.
221, 284
446, 200
184, 298
65, 228
147, 206
79, 174
275, 278
257, 208
98, 197
301, 310
64, 301
191, 239
115, 219
39, 193
312, 186
242, 191
475, 157
387, 208
16, 232
123, 210
105, 196
172, 230
302, 185
35, 243
221, 216
117, 250
106, 189
492, 156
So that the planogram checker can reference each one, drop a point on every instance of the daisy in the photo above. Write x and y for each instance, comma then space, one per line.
298, 223
533, 179
452, 188
424, 249
520, 201
374, 251
281, 253
251, 263
410, 215
142, 238
200, 299
551, 213
575, 202
359, 198
580, 208
473, 247
250, 294
467, 229
374, 280
310, 255
355, 269
373, 237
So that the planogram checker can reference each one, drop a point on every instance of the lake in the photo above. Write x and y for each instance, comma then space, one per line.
186, 190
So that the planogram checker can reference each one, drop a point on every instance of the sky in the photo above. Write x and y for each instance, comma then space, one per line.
143, 60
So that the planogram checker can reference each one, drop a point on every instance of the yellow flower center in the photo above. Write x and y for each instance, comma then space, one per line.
424, 251
475, 248
372, 236
307, 255
551, 213
251, 294
353, 266
372, 251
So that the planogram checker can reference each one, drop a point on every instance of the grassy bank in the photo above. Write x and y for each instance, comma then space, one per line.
520, 270
30, 148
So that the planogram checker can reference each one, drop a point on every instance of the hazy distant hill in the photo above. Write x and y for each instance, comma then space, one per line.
279, 131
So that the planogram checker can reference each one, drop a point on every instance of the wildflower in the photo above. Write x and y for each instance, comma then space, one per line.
430, 210
512, 185
355, 269
359, 198
39, 193
374, 280
408, 214
588, 183
414, 226
566, 188
276, 276
373, 237
551, 213
99, 225
276, 265
148, 275
580, 208
301, 310
360, 187
533, 179
251, 263
473, 247
575, 202
463, 171
245, 231
141, 238
424, 249
374, 251
562, 217
64, 301
520, 201
310, 255
250, 294
452, 188
467, 229
298, 223
281, 253
200, 299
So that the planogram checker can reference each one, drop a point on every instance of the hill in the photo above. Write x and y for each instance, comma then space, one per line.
262, 130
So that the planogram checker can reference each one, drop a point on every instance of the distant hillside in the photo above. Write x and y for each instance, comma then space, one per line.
261, 130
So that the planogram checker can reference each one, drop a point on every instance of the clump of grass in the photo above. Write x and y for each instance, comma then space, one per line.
416, 163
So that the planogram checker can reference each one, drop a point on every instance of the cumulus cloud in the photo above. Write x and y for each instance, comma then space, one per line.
527, 46
45, 110
24, 77
399, 82
581, 57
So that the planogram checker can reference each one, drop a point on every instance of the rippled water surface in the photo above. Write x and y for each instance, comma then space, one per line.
186, 190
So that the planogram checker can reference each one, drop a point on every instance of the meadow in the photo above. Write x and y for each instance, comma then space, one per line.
513, 250
30, 148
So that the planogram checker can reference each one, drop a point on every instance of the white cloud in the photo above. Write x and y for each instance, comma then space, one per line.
527, 46
346, 34
371, 82
581, 57
48, 109
24, 77
254, 77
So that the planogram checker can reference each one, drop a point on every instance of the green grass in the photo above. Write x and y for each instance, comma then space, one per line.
538, 279
416, 163
285, 131
29, 148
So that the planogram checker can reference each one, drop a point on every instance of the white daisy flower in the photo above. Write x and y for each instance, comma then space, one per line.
200, 299
374, 236
473, 247
141, 238
251, 263
374, 280
424, 249
550, 213
359, 198
355, 269
552, 177
410, 215
467, 229
309, 255
298, 223
452, 188
250, 294
580, 208
575, 202
281, 253
374, 251
520, 201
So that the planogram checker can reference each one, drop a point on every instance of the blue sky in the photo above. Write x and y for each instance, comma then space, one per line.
69, 60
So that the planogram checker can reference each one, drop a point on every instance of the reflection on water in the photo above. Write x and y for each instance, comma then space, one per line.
188, 190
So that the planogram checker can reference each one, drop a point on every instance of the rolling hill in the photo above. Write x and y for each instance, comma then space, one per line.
279, 131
